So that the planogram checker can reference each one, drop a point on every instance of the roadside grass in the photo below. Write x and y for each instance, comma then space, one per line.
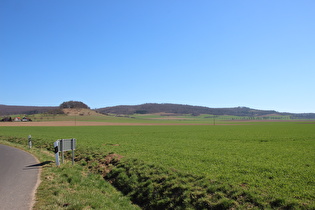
72, 187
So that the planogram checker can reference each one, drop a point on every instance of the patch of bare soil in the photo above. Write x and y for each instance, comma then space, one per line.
261, 120
81, 112
106, 165
86, 123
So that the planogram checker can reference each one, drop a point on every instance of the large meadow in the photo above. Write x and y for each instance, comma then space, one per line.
273, 162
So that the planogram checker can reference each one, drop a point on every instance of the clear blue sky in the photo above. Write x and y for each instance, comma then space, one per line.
258, 54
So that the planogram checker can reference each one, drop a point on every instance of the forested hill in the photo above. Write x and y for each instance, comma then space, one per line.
30, 110
182, 109
194, 110
9, 110
150, 108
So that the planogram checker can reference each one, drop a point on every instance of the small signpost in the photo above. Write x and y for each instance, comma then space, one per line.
62, 146
30, 141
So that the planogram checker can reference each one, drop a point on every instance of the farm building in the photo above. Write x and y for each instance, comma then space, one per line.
26, 119
17, 119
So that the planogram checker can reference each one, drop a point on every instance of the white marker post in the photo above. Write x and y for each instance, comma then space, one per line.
56, 146
29, 141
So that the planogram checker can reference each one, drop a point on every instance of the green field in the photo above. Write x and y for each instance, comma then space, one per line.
272, 161
152, 118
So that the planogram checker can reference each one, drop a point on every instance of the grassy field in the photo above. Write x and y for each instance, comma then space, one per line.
72, 187
150, 118
273, 162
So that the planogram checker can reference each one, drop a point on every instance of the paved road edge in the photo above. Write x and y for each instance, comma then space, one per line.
34, 191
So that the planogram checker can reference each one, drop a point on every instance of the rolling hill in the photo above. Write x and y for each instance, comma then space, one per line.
28, 110
151, 108
179, 109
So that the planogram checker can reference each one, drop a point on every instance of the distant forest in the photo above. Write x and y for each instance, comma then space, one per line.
179, 109
27, 110
30, 110
151, 108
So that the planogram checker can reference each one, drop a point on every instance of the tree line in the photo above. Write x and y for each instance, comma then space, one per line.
179, 109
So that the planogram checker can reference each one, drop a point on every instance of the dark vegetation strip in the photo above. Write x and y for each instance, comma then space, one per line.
155, 187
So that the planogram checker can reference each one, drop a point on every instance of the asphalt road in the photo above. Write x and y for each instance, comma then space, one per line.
19, 174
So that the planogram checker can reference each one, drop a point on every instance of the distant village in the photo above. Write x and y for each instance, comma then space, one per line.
16, 119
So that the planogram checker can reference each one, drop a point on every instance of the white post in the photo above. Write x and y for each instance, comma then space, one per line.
56, 146
30, 141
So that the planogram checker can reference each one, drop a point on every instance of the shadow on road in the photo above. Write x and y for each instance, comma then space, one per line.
35, 166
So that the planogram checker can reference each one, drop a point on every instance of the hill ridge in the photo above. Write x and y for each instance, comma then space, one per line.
150, 108
15, 109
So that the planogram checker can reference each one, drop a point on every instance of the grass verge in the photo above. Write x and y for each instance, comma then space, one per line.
72, 187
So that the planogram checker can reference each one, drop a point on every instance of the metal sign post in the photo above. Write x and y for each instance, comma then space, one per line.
72, 148
63, 145
61, 150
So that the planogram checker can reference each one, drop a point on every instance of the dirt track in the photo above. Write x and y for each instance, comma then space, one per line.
82, 123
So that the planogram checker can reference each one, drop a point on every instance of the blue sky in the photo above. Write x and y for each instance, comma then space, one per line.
258, 54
